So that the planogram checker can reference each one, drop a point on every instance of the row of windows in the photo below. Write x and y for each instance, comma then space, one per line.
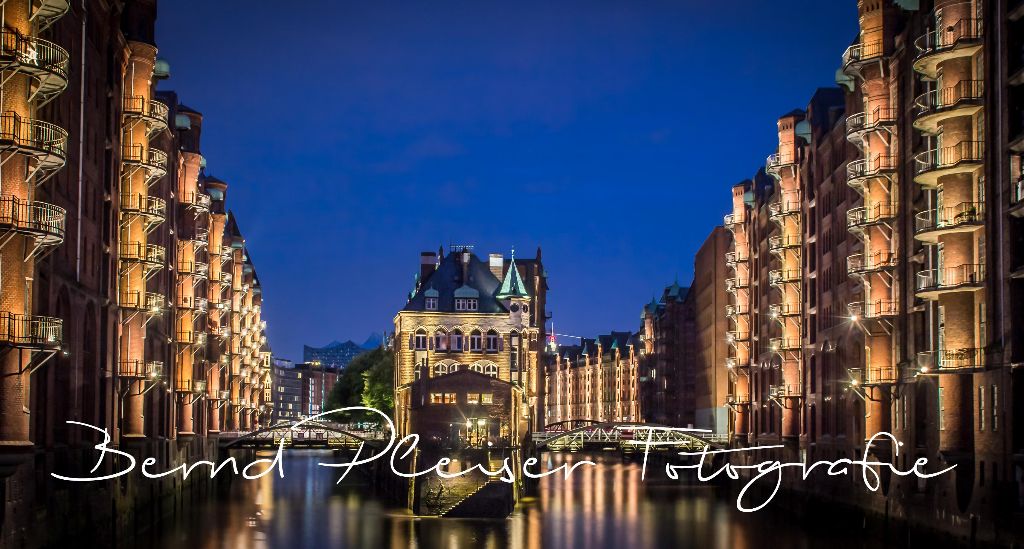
455, 341
470, 398
490, 369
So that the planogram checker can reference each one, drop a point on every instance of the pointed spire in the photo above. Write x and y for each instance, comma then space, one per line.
513, 285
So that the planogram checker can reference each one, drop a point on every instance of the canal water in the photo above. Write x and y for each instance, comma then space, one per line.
605, 506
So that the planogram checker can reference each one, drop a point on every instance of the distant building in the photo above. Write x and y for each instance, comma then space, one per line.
287, 386
669, 357
599, 380
334, 354
317, 381
711, 375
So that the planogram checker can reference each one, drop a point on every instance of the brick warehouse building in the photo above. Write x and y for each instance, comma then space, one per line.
470, 329
874, 270
118, 307
598, 380
668, 358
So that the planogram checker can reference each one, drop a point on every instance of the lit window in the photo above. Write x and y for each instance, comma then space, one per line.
487, 398
456, 341
449, 398
474, 341
436, 398
440, 341
473, 398
431, 303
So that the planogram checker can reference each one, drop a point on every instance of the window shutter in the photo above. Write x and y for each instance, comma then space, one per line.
501, 343
412, 342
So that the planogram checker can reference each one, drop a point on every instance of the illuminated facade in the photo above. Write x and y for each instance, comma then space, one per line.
668, 358
875, 283
597, 380
467, 346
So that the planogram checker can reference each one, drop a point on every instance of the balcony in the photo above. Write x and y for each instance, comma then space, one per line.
733, 258
964, 99
782, 344
781, 277
873, 377
152, 208
200, 202
192, 386
1017, 197
783, 310
934, 282
784, 390
45, 12
185, 337
779, 211
201, 270
737, 400
779, 244
951, 361
880, 308
732, 310
860, 172
152, 370
861, 264
964, 157
859, 219
225, 277
153, 256
963, 38
153, 113
151, 302
736, 283
44, 142
734, 337
30, 332
152, 161
858, 54
964, 217
46, 62
777, 162
860, 124
42, 221
731, 221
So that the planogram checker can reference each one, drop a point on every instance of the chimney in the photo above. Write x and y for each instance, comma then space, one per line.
497, 265
428, 263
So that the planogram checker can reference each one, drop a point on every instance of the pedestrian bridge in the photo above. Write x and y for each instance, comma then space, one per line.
307, 434
578, 434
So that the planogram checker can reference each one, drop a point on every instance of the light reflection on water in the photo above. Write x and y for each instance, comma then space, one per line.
603, 506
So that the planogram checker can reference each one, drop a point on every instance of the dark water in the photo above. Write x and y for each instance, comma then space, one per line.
606, 506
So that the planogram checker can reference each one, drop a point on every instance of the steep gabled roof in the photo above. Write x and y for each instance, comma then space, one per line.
513, 285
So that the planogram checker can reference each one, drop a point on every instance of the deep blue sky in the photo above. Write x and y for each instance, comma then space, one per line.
355, 135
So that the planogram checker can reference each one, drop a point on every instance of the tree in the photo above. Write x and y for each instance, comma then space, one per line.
368, 378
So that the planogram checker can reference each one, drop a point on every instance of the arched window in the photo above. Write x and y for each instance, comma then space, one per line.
420, 341
475, 341
491, 369
477, 367
440, 369
456, 341
440, 341
493, 341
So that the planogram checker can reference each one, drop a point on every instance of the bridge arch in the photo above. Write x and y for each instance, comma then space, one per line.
620, 432
333, 435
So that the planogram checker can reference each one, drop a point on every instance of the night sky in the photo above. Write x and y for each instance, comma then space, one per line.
356, 135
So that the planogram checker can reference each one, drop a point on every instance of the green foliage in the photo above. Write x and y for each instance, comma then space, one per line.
367, 381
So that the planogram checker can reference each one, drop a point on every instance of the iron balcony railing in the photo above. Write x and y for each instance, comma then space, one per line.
137, 251
154, 111
947, 157
777, 277
781, 310
33, 217
152, 370
869, 167
734, 336
950, 96
35, 135
970, 274
784, 390
951, 360
27, 331
197, 200
150, 301
734, 309
782, 242
735, 283
872, 214
875, 261
965, 213
732, 258
873, 376
732, 219
35, 54
775, 162
737, 400
1017, 191
153, 159
783, 208
225, 277
778, 344
201, 270
948, 37
860, 52
152, 206
873, 309
865, 121
202, 304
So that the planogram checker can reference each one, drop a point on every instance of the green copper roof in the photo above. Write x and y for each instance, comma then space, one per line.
512, 286
466, 291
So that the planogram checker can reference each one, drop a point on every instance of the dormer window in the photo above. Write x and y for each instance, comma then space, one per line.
465, 304
431, 303
430, 299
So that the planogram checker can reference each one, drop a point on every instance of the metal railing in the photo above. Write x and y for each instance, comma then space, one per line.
948, 37
783, 208
134, 299
38, 217
861, 263
732, 258
30, 331
150, 205
873, 376
734, 336
951, 277
870, 167
27, 133
964, 213
781, 242
735, 283
776, 161
948, 157
734, 309
784, 344
147, 156
779, 310
33, 52
137, 251
140, 369
784, 390
964, 358
862, 52
149, 108
783, 276
871, 214
874, 309
867, 120
950, 96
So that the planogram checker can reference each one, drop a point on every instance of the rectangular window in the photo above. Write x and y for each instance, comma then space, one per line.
995, 408
456, 342
431, 303
492, 343
421, 342
981, 407
474, 342
942, 412
449, 398
473, 398
460, 304
487, 398
436, 398
982, 327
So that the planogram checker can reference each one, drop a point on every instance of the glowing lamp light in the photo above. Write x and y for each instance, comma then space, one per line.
854, 318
